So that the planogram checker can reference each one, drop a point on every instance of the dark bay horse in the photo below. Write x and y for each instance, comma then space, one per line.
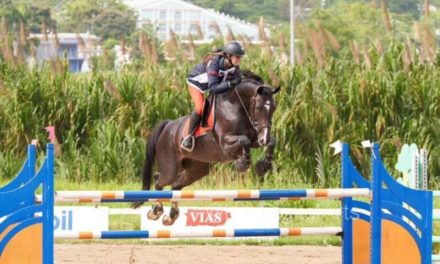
243, 121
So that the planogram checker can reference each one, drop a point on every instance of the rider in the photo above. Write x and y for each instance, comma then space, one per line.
218, 73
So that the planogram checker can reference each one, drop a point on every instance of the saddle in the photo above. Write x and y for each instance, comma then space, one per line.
208, 118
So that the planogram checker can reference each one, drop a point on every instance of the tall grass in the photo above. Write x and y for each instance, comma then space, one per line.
103, 118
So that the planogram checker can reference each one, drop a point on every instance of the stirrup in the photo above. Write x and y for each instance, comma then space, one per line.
190, 137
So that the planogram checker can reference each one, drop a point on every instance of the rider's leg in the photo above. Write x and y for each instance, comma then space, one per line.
195, 117
189, 141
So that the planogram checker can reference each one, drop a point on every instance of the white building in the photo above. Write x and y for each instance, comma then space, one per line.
185, 18
77, 48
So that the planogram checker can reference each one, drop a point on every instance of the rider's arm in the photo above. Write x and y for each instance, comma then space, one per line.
215, 83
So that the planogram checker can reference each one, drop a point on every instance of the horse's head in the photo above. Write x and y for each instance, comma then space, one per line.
262, 107
255, 99
258, 101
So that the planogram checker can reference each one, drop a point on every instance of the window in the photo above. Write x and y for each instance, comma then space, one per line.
163, 14
178, 15
193, 28
213, 29
212, 33
178, 27
162, 27
69, 50
147, 15
194, 15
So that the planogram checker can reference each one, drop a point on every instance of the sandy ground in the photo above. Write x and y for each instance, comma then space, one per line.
126, 253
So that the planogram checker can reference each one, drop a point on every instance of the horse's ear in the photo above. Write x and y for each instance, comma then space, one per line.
276, 90
260, 90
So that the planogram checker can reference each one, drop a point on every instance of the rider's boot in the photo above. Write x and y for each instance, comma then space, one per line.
188, 142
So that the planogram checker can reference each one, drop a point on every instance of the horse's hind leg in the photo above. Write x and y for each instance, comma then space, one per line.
156, 211
168, 173
193, 171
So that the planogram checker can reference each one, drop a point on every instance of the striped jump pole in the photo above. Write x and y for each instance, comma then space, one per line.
366, 236
208, 195
203, 233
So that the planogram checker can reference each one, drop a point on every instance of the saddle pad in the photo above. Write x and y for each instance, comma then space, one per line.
208, 120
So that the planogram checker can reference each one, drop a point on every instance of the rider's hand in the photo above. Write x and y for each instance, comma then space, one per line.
234, 81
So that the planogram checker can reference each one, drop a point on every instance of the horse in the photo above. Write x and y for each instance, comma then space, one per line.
243, 120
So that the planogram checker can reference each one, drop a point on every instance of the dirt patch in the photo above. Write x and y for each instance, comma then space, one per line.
126, 253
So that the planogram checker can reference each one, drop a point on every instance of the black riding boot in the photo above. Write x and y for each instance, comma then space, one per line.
189, 141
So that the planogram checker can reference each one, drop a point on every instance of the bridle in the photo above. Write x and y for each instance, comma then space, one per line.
251, 115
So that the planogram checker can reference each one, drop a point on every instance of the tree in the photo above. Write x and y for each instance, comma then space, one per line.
105, 18
396, 6
10, 11
33, 14
275, 11
113, 23
36, 16
347, 22
405, 6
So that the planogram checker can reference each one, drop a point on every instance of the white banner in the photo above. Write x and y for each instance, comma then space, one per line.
80, 218
216, 217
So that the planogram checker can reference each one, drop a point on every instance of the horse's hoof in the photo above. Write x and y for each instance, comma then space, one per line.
167, 221
174, 213
155, 212
152, 216
242, 165
262, 167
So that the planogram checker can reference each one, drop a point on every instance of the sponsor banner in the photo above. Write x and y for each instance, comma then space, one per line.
216, 217
80, 218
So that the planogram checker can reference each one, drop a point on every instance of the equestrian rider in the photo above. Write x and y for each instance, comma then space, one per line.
218, 73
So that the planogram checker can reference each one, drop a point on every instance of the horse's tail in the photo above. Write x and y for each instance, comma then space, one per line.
150, 156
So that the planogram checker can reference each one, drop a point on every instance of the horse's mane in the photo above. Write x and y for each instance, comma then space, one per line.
249, 75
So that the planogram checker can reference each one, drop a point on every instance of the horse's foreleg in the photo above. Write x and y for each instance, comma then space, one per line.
238, 146
265, 164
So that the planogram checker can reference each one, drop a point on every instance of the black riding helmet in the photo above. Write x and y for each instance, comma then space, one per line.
234, 48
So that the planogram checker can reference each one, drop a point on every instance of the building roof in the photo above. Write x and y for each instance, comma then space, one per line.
180, 4
67, 37
237, 26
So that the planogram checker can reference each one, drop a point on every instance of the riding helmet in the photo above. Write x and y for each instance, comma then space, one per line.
234, 48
